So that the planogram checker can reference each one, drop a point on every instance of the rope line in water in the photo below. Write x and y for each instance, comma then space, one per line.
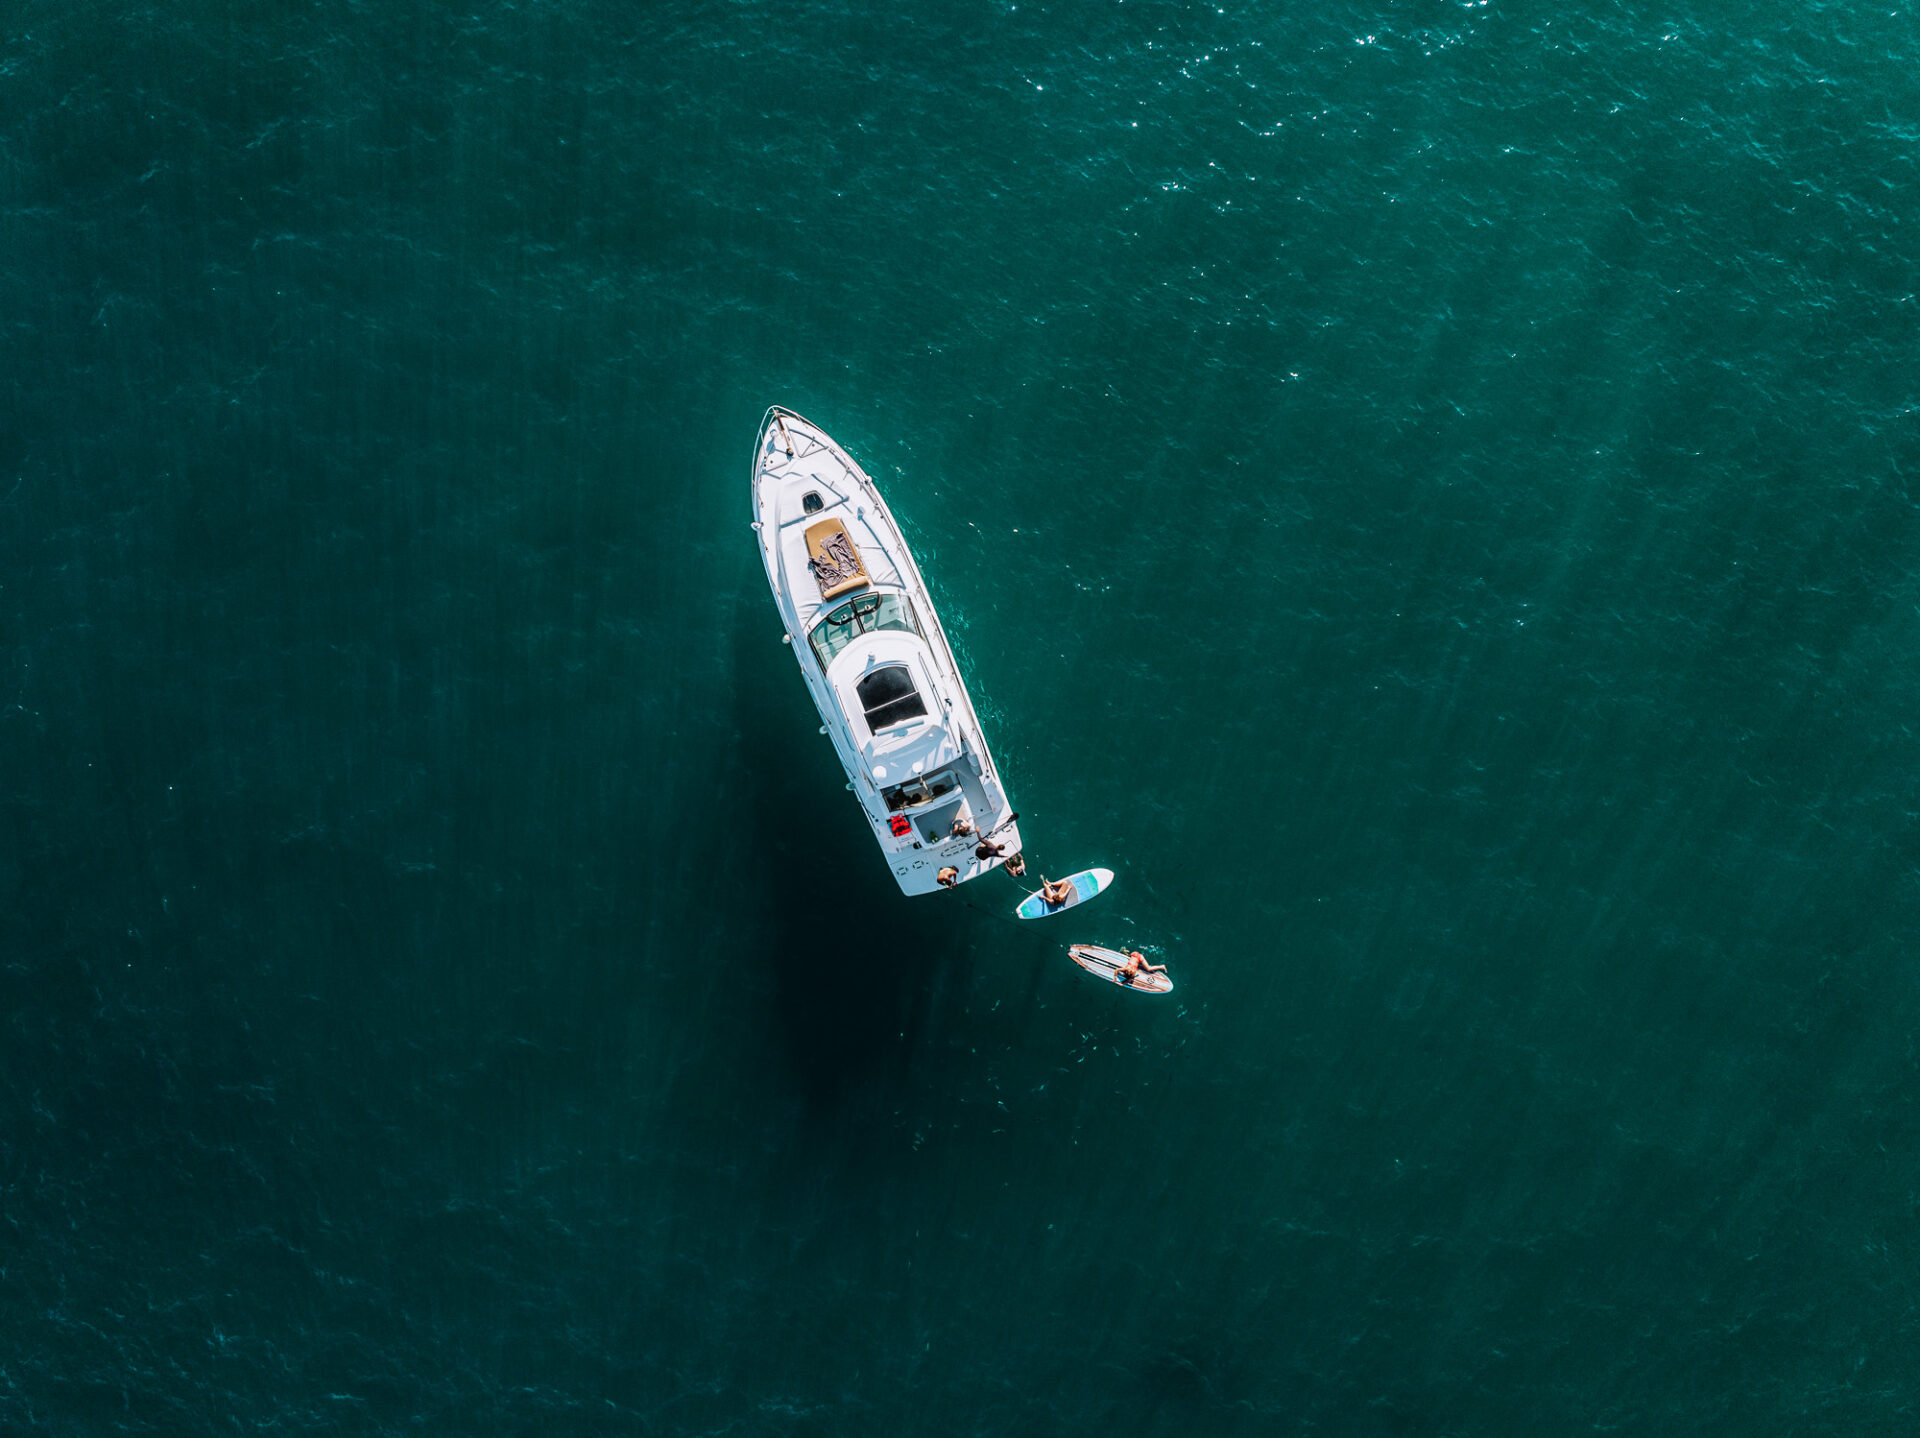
1018, 924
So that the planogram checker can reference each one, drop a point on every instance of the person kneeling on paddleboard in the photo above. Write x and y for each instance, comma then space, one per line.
1137, 965
1055, 891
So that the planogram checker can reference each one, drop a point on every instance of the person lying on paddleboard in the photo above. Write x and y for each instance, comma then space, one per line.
1055, 891
1136, 966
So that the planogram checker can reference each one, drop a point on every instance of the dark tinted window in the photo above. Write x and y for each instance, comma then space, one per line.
888, 696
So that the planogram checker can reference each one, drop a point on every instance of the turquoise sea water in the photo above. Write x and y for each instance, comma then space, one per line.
1425, 492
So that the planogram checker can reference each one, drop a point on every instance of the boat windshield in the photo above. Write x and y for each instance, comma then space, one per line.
865, 615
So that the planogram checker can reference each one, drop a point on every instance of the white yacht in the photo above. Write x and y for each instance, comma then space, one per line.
875, 658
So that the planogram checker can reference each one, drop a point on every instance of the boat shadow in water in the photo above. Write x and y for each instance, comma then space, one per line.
856, 967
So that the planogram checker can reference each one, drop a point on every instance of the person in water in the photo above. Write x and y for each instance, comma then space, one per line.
1138, 965
947, 877
1055, 891
1016, 865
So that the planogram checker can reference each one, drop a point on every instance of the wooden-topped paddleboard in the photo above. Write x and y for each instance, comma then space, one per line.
1086, 884
1108, 963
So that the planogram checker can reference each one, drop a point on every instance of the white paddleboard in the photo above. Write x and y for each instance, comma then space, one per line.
1086, 884
1107, 963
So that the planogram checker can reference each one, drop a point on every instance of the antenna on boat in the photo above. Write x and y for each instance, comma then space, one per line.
786, 438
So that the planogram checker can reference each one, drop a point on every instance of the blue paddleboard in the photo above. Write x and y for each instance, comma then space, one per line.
1086, 884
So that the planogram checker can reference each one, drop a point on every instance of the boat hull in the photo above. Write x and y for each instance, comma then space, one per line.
875, 659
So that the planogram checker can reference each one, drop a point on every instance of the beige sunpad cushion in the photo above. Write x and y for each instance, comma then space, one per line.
835, 562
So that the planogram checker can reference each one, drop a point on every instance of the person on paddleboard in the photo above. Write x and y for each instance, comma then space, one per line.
947, 877
1138, 965
1055, 891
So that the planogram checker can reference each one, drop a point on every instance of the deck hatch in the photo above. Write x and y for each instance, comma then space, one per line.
888, 696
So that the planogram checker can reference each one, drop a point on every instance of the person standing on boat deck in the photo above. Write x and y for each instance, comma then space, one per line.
947, 877
1055, 891
988, 849
1137, 965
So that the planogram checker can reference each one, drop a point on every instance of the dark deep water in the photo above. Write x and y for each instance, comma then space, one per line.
1426, 492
